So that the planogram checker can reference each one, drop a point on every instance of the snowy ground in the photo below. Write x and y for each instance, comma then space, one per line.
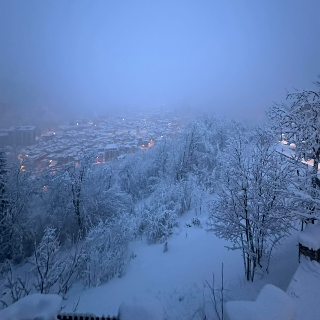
177, 277
304, 289
34, 306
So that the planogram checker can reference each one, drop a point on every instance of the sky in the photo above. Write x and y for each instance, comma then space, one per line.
231, 57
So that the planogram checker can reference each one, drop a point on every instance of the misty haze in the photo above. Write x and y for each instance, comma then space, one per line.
159, 160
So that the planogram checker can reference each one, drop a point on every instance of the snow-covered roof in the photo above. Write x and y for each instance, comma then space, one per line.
310, 236
272, 303
112, 146
53, 163
22, 128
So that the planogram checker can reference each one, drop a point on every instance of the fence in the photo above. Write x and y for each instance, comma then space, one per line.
73, 316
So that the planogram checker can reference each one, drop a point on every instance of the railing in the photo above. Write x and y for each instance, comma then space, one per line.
74, 316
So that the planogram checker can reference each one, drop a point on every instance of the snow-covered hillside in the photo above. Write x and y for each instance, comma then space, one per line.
177, 277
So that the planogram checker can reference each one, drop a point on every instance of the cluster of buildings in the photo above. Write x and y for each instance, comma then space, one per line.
110, 138
18, 136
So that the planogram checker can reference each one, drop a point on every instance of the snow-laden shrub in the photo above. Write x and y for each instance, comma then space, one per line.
196, 222
158, 220
55, 270
106, 246
168, 202
50, 270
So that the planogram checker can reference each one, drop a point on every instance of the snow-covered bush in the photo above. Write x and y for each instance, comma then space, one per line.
196, 222
159, 216
102, 204
167, 203
158, 221
48, 268
54, 270
106, 246
13, 286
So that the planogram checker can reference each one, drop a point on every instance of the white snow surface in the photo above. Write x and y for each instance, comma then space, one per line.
33, 307
304, 289
310, 236
177, 278
272, 303
141, 308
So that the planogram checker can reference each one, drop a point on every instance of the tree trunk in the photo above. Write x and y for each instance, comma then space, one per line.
315, 179
315, 170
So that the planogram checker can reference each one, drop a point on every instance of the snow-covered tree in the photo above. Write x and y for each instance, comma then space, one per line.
3, 171
3, 202
298, 123
251, 210
193, 150
16, 234
103, 198
77, 174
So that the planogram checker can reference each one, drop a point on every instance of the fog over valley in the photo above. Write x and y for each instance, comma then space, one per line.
61, 59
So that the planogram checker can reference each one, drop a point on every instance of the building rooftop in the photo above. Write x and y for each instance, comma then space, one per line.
112, 146
22, 128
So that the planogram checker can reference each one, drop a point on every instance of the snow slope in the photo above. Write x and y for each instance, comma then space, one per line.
177, 277
304, 289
